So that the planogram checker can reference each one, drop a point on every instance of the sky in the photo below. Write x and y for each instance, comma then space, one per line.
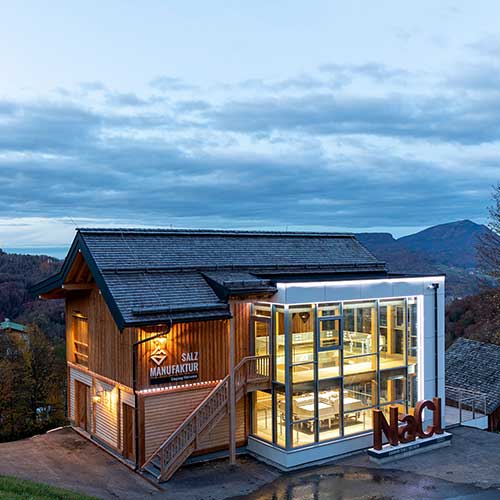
269, 114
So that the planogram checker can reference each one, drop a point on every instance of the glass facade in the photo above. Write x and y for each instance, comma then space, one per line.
332, 363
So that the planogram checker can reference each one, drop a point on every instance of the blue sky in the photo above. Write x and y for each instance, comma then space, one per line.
265, 114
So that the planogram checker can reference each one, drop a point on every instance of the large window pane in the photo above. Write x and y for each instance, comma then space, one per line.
302, 373
279, 327
303, 433
412, 352
329, 409
393, 385
329, 333
262, 415
392, 333
303, 416
360, 328
303, 404
279, 394
302, 333
263, 310
357, 421
328, 364
360, 391
261, 332
360, 364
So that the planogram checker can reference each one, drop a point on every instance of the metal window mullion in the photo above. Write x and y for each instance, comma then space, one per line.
378, 351
316, 344
341, 371
406, 346
274, 406
288, 387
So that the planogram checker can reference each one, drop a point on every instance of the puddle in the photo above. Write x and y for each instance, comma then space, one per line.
353, 484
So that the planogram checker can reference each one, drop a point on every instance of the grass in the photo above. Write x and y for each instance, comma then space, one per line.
13, 488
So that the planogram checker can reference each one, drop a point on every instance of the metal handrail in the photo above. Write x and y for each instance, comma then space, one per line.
467, 399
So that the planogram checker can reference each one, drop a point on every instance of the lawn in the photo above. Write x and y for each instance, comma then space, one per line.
10, 487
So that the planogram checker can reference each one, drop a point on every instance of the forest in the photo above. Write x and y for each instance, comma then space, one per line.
32, 367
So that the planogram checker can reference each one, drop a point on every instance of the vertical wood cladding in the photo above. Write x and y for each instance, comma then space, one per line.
209, 338
110, 352
163, 413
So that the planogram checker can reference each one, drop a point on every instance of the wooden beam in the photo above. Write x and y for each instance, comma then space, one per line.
232, 395
78, 286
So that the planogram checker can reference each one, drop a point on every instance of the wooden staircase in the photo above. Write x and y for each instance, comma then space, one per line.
250, 374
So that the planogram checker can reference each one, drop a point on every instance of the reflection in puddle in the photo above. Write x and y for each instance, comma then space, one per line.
334, 483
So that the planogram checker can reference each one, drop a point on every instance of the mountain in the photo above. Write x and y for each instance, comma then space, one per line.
447, 248
452, 244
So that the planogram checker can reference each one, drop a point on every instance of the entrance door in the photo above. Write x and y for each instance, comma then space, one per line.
82, 404
128, 431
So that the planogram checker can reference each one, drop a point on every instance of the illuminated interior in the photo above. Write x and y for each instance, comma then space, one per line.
333, 363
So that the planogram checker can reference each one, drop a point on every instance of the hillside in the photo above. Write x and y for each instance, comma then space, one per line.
17, 274
447, 248
452, 244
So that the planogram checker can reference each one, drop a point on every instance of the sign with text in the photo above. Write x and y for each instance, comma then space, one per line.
163, 371
406, 428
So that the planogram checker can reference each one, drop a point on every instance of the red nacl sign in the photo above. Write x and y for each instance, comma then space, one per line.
412, 428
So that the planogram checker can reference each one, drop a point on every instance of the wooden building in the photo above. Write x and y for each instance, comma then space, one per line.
183, 343
472, 382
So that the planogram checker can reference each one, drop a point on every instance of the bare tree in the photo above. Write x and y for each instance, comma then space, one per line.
488, 249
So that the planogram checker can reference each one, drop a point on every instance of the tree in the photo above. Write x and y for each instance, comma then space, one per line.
15, 389
489, 243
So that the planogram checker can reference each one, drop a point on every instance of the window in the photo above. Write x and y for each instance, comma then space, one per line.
334, 363
392, 338
80, 339
279, 356
302, 343
360, 328
262, 415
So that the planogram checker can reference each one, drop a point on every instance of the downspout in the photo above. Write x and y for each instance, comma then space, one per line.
135, 347
435, 286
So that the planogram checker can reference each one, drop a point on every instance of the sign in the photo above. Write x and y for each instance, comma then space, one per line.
163, 372
406, 428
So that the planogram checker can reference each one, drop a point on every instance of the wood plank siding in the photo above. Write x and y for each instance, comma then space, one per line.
110, 351
178, 405
209, 338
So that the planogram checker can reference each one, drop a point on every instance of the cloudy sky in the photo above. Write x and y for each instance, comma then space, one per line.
331, 115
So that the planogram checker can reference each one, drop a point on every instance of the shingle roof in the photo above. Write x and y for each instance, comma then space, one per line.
473, 366
7, 324
156, 275
132, 249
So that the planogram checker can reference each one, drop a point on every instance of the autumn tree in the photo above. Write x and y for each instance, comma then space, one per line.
489, 243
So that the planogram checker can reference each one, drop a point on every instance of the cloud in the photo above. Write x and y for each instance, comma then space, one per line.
438, 118
297, 153
168, 83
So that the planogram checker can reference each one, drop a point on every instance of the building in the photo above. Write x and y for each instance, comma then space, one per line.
14, 329
183, 342
472, 372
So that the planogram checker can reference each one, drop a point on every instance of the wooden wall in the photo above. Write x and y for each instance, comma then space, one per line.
209, 338
110, 352
163, 413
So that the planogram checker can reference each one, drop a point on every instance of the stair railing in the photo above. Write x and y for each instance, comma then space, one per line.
182, 442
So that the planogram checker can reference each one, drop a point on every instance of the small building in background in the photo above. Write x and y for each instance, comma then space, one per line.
472, 382
17, 329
